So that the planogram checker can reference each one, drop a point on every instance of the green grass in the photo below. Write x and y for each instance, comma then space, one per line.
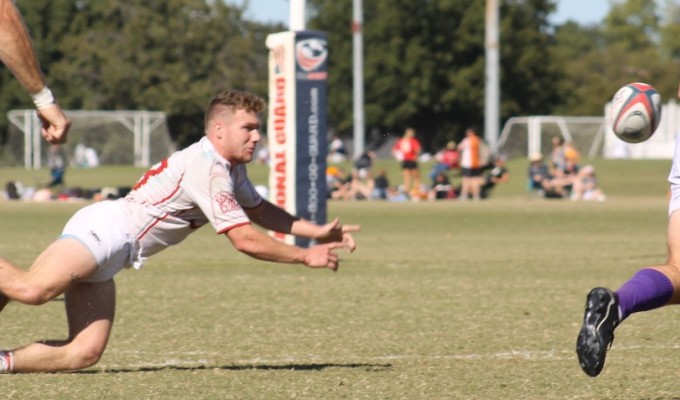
440, 301
618, 177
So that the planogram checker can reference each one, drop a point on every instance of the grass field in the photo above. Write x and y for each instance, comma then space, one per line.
440, 301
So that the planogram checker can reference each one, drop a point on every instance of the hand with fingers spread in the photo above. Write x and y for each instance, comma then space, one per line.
335, 232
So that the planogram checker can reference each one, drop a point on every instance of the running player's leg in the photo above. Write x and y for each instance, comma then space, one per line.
93, 247
649, 288
671, 269
64, 263
90, 309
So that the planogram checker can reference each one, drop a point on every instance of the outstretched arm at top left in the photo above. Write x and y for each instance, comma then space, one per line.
16, 48
277, 219
17, 53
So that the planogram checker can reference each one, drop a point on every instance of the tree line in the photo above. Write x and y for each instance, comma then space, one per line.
424, 60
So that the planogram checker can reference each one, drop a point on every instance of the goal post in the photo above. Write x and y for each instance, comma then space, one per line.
123, 137
523, 136
593, 136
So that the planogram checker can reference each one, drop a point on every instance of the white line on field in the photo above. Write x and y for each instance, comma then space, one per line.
506, 355
529, 355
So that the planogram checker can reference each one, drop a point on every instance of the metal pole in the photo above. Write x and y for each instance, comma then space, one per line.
357, 27
297, 21
492, 92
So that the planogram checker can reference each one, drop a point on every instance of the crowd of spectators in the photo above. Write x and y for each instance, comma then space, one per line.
460, 172
455, 175
563, 176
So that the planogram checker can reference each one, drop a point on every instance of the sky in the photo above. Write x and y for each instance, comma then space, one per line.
582, 11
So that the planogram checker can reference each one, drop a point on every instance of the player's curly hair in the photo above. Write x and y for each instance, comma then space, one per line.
234, 100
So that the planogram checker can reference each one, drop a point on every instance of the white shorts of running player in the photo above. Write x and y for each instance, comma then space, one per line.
102, 228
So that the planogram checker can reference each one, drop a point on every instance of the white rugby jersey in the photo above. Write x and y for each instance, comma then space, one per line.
187, 190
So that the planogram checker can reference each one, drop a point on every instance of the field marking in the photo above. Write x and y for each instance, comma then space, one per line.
202, 358
207, 358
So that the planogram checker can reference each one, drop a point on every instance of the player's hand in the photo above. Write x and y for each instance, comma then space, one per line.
334, 232
323, 256
55, 124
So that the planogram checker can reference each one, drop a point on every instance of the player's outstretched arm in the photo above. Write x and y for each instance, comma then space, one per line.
17, 53
257, 244
16, 48
276, 219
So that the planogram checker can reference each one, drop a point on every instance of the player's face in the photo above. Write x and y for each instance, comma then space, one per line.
237, 135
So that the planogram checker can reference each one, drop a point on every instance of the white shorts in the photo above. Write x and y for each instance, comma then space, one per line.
102, 228
674, 178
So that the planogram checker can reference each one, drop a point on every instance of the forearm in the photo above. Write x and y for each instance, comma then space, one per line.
16, 49
276, 219
261, 246
304, 228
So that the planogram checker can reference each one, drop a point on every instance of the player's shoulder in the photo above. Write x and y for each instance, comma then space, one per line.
195, 154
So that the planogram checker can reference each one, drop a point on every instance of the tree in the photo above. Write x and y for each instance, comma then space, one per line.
600, 59
670, 30
171, 55
424, 64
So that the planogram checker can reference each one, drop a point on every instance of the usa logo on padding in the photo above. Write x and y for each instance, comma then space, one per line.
311, 53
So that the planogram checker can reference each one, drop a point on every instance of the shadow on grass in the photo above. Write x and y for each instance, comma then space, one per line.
264, 367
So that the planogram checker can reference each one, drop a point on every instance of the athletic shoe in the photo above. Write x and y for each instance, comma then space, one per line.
597, 333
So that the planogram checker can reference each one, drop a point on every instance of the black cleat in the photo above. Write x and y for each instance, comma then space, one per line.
597, 333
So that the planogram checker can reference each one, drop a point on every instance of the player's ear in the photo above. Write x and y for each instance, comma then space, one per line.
218, 128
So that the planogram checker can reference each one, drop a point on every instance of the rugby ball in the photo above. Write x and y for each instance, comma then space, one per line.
635, 112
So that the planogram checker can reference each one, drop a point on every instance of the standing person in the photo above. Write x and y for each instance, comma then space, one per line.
650, 288
206, 183
406, 150
473, 158
17, 53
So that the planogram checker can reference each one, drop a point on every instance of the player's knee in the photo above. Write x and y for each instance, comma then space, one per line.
83, 356
31, 295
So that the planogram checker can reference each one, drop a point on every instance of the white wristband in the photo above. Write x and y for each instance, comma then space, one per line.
43, 98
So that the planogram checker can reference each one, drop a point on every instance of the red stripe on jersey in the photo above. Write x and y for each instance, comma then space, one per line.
150, 173
179, 182
151, 226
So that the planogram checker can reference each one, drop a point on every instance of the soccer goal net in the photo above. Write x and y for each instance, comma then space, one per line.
593, 136
138, 138
523, 136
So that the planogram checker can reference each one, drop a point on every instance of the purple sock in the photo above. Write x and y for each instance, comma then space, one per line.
646, 290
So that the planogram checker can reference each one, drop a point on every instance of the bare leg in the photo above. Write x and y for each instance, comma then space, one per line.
464, 188
63, 264
90, 309
672, 267
415, 176
475, 187
407, 180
